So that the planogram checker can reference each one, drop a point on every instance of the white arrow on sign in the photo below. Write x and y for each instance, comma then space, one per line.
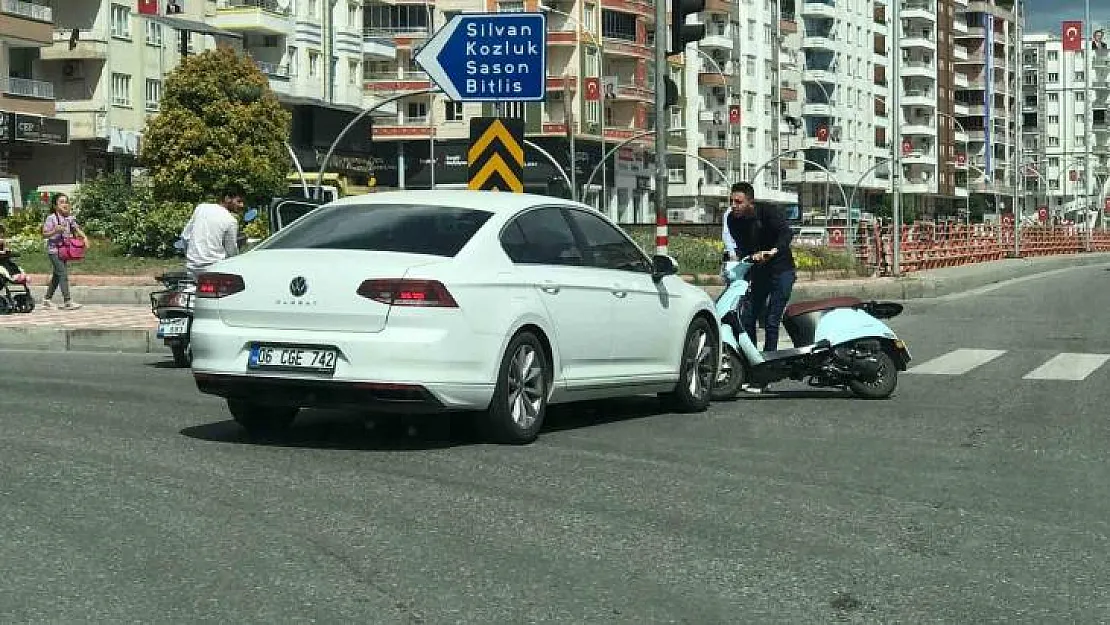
428, 58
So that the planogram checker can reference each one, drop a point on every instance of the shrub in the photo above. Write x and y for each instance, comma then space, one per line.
148, 228
101, 200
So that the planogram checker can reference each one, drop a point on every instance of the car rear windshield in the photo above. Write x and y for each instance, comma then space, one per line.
408, 228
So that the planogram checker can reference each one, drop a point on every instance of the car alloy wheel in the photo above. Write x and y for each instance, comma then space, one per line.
700, 367
526, 386
520, 398
697, 369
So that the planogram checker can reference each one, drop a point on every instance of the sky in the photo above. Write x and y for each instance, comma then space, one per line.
1046, 15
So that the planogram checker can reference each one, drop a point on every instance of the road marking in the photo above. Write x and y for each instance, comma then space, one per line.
1073, 367
957, 362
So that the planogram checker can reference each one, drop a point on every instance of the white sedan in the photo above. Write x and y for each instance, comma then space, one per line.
444, 301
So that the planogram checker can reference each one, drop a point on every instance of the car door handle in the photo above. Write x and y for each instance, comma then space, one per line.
549, 287
619, 293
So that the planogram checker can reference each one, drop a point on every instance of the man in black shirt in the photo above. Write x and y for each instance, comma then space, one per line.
764, 234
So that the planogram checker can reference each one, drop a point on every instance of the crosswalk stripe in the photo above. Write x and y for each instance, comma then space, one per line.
957, 362
1072, 367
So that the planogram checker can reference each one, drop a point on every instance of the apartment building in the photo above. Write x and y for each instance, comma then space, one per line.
987, 57
106, 63
1063, 122
600, 87
931, 184
699, 186
28, 125
314, 54
844, 53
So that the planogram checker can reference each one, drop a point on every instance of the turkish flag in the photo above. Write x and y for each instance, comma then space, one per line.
593, 89
1074, 176
907, 147
148, 7
1072, 35
734, 114
961, 159
822, 133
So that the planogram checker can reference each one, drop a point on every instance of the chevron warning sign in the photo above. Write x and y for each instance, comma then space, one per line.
496, 155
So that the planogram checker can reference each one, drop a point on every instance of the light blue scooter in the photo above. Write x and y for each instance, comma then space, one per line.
839, 342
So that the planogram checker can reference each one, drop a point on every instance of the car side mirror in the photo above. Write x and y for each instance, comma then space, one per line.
663, 265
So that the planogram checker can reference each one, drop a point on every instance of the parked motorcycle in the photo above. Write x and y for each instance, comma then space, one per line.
838, 343
174, 305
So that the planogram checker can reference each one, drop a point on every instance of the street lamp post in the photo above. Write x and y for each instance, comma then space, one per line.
601, 95
728, 101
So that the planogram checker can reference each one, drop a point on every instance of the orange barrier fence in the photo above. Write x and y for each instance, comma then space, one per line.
930, 246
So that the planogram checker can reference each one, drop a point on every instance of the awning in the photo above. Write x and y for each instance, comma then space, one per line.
181, 23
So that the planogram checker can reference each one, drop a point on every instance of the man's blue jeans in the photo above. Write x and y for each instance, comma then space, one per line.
766, 302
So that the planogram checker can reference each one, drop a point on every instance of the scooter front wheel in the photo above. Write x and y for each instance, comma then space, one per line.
884, 382
730, 378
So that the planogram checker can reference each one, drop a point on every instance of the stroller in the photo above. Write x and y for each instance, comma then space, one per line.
15, 292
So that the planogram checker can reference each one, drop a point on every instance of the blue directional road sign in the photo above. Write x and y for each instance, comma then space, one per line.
489, 57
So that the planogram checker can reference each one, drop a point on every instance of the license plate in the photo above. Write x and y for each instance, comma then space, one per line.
169, 328
293, 358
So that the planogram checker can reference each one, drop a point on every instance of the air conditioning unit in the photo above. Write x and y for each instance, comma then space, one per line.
73, 69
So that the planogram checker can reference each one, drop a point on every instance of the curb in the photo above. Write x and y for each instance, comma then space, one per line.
117, 295
938, 283
115, 340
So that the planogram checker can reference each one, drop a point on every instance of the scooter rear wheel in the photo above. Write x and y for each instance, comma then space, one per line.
182, 355
730, 378
884, 383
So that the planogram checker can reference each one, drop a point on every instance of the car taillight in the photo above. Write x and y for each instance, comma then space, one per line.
216, 285
397, 292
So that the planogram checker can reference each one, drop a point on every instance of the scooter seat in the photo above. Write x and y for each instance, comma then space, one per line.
828, 303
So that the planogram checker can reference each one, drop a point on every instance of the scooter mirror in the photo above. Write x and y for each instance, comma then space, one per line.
250, 215
179, 244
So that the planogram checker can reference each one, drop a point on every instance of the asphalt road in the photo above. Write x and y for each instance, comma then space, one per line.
975, 495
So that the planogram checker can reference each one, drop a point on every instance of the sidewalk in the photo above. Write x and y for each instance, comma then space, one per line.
116, 315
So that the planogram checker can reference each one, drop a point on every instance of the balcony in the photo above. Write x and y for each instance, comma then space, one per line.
712, 79
396, 81
918, 10
88, 119
263, 17
27, 96
717, 37
919, 128
919, 69
820, 40
91, 44
378, 48
817, 8
918, 40
788, 26
820, 74
919, 97
25, 24
625, 47
716, 7
643, 8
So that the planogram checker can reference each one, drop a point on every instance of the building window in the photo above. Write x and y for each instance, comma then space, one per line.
510, 6
121, 21
153, 94
416, 112
153, 33
313, 63
453, 111
121, 89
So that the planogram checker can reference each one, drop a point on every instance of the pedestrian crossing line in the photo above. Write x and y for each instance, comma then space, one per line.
1071, 367
957, 362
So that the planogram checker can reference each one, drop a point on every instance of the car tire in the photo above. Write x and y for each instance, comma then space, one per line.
516, 413
260, 420
697, 370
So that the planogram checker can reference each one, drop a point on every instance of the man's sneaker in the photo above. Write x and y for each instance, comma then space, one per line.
70, 306
752, 388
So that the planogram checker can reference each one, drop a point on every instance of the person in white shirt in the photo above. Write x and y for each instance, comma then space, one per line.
212, 232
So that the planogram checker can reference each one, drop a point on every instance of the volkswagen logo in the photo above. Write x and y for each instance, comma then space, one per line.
298, 286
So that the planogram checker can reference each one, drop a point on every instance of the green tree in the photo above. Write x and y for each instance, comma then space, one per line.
219, 123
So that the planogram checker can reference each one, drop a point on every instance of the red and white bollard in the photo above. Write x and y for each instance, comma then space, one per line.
661, 235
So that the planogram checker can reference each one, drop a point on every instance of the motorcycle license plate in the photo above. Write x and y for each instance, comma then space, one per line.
171, 328
293, 358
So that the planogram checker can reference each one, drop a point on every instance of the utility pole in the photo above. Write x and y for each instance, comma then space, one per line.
682, 34
896, 143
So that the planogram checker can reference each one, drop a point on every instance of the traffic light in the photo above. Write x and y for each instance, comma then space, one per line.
670, 92
681, 32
